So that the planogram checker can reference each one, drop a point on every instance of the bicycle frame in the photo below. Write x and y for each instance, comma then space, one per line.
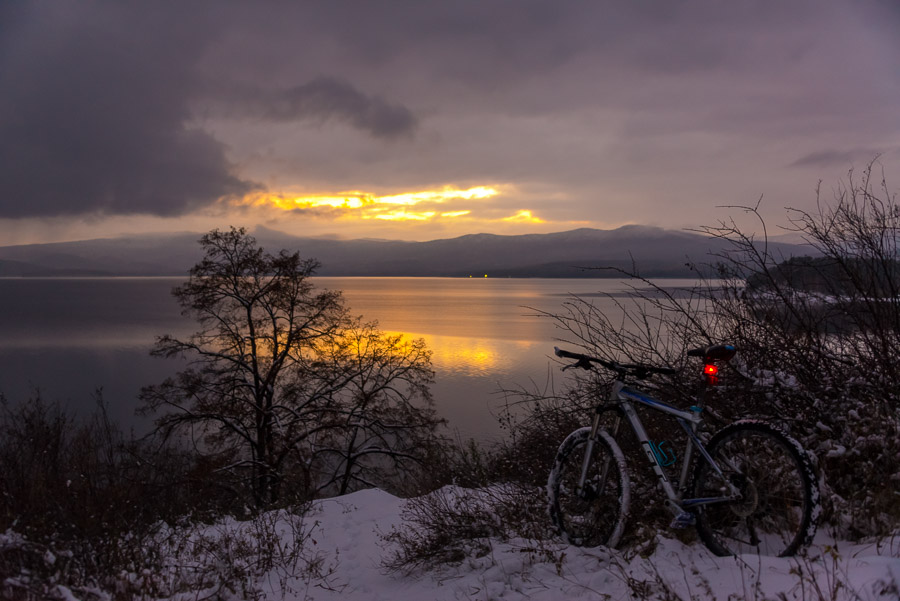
625, 397
750, 487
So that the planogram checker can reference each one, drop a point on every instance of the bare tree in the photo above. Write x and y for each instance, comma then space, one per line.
282, 383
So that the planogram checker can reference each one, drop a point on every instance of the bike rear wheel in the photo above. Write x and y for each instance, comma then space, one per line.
779, 508
594, 514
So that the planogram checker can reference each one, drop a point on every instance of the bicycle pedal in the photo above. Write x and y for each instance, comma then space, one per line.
683, 520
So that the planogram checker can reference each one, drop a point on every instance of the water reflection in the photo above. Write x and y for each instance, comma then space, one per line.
71, 336
461, 355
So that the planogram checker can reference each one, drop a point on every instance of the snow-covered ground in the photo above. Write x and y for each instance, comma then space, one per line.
348, 535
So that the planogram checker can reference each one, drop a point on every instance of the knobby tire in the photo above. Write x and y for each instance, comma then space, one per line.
596, 516
780, 506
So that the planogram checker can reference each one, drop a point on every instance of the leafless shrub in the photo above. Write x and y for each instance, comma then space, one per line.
227, 559
452, 524
85, 509
818, 340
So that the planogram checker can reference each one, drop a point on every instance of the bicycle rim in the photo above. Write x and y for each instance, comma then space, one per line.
594, 515
775, 515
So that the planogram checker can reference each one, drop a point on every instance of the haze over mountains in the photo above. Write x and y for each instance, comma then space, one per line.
656, 252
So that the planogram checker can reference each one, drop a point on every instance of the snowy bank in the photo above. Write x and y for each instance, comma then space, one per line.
349, 532
337, 551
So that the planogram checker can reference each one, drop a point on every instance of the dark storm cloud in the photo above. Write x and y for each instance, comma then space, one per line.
94, 113
324, 99
124, 107
98, 112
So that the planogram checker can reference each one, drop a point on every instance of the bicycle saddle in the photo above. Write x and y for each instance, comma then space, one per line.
723, 352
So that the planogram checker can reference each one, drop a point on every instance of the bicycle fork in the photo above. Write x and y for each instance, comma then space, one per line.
588, 452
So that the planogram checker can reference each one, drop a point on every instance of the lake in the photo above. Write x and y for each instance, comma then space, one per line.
69, 337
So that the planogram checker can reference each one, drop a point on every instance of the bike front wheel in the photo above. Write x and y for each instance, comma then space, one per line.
593, 514
778, 507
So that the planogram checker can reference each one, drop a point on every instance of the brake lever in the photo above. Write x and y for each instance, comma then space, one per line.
582, 363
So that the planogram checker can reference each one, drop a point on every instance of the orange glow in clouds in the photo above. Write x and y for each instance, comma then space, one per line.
417, 206
402, 215
414, 198
370, 206
524, 217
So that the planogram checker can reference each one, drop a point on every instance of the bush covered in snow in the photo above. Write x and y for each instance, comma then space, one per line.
88, 513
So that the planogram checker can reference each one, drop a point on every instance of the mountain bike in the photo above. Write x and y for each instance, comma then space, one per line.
752, 489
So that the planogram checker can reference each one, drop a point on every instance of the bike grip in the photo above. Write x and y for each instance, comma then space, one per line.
564, 354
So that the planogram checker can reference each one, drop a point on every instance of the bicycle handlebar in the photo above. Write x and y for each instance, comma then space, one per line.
720, 352
584, 362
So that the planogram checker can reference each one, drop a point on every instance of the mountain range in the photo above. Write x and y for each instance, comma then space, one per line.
654, 251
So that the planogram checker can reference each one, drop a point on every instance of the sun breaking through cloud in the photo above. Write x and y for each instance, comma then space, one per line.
370, 206
413, 198
439, 210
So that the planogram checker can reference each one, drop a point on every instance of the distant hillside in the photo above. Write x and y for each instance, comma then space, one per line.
656, 253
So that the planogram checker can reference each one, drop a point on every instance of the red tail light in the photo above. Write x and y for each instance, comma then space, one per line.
712, 374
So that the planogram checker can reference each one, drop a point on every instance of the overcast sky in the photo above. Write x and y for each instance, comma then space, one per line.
420, 120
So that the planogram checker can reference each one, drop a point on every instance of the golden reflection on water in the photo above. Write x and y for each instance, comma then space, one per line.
474, 356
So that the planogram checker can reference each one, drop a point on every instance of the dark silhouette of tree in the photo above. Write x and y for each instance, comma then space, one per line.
371, 377
283, 386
